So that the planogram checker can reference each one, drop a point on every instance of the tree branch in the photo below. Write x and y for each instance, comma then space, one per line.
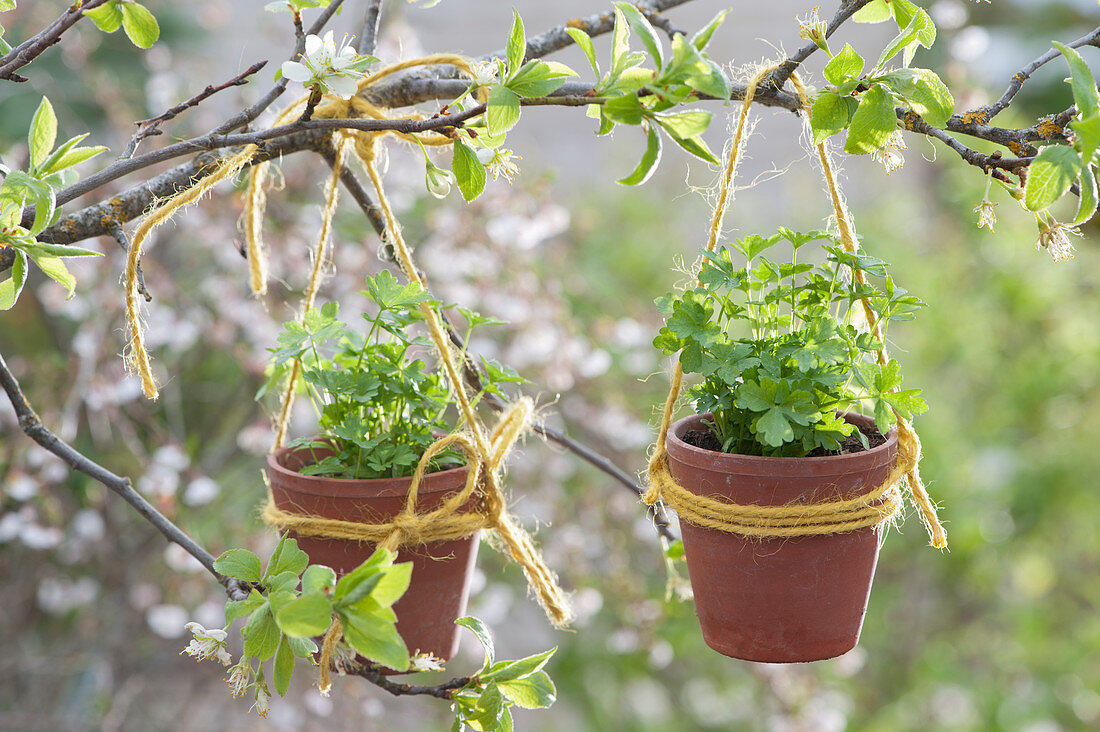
369, 37
33, 47
32, 426
779, 77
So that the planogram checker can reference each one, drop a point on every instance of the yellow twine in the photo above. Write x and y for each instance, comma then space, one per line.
137, 358
826, 517
332, 191
328, 645
254, 206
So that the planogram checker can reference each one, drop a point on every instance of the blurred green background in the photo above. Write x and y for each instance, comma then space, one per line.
1002, 632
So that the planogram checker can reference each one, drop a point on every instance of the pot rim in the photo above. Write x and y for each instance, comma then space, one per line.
754, 465
441, 481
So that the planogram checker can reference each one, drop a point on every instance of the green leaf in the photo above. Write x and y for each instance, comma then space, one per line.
375, 639
468, 170
480, 631
920, 29
773, 428
539, 78
287, 557
872, 122
73, 158
829, 114
42, 133
284, 667
6, 5
876, 11
1050, 176
107, 17
620, 48
261, 634
844, 66
517, 44
931, 98
502, 110
240, 564
235, 609
685, 124
626, 109
702, 38
1081, 81
305, 616
317, 578
534, 692
650, 159
1087, 207
302, 647
511, 670
645, 31
140, 25
583, 40
13, 285
55, 269
696, 147
393, 584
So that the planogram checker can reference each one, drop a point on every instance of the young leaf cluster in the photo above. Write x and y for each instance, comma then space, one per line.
136, 21
776, 347
863, 101
1057, 167
293, 602
379, 407
484, 704
504, 83
646, 97
48, 171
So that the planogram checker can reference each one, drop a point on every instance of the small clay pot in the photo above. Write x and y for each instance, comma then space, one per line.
442, 571
781, 600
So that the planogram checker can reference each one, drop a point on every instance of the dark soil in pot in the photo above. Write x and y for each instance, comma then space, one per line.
442, 571
779, 600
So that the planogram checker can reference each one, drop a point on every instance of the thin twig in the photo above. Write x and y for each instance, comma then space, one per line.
368, 39
151, 126
376, 676
990, 111
33, 47
32, 426
124, 242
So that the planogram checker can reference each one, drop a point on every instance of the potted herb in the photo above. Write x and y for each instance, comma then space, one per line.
379, 408
784, 370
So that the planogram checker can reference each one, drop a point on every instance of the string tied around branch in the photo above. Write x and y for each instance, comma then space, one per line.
878, 506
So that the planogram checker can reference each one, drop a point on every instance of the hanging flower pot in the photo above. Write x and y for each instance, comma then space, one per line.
442, 571
779, 599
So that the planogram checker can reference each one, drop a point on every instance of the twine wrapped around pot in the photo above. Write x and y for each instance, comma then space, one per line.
828, 517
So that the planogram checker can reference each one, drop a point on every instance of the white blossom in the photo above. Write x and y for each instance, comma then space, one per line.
207, 644
986, 217
426, 662
484, 73
1054, 237
499, 162
890, 153
240, 678
335, 70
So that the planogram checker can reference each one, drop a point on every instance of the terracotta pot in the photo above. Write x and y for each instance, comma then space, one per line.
779, 600
442, 571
